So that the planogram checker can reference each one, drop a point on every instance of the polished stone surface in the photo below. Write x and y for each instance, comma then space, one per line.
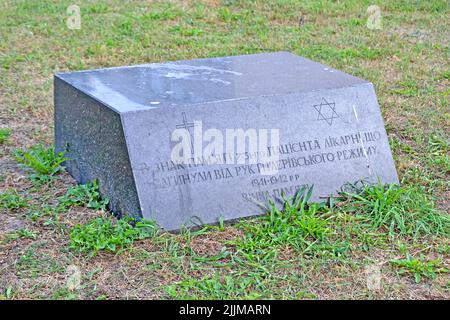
93, 139
117, 124
191, 82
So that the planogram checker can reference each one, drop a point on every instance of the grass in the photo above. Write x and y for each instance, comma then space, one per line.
299, 225
42, 163
215, 287
84, 195
11, 199
420, 268
103, 234
398, 211
21, 233
307, 231
4, 135
297, 251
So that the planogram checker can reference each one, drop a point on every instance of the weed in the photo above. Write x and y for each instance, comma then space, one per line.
4, 134
407, 88
21, 233
298, 224
186, 31
11, 199
215, 287
167, 12
34, 263
419, 267
84, 195
8, 293
104, 234
26, 233
43, 162
35, 215
65, 294
439, 149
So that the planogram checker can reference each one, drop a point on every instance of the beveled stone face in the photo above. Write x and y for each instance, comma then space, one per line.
330, 132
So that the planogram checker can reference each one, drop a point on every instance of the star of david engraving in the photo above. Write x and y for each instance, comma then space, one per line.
326, 111
187, 125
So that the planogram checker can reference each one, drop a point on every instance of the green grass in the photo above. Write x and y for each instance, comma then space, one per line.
21, 233
317, 232
439, 152
8, 293
301, 250
104, 234
33, 264
12, 200
86, 195
4, 135
213, 288
420, 268
299, 224
398, 211
42, 163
